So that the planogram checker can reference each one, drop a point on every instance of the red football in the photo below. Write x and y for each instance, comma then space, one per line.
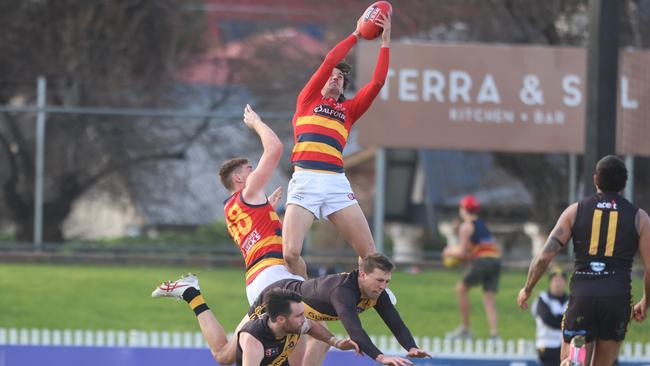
368, 29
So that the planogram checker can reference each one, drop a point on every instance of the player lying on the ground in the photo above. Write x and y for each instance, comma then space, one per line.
267, 340
343, 296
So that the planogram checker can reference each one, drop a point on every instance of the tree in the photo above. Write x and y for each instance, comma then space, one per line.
90, 52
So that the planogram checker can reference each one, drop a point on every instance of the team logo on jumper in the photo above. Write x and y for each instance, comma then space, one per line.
607, 205
270, 352
330, 112
597, 266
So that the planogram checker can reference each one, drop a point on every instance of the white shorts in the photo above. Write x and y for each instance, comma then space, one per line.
265, 278
321, 193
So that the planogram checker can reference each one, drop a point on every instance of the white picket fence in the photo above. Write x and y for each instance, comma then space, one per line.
136, 338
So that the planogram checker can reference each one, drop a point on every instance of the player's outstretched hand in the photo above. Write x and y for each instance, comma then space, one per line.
347, 344
384, 21
393, 360
522, 298
275, 197
357, 30
418, 353
250, 117
640, 310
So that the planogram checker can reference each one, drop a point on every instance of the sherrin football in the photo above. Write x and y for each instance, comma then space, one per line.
451, 257
369, 29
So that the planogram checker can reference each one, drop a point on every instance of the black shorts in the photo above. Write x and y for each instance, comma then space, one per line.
597, 318
484, 271
549, 356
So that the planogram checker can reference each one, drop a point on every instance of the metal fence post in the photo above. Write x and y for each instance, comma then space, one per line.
40, 157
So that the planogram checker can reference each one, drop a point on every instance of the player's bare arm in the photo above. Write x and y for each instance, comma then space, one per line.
465, 238
640, 310
558, 238
324, 335
253, 351
254, 190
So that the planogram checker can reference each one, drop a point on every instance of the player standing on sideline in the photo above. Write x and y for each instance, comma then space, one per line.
548, 310
321, 125
607, 231
268, 340
252, 221
478, 246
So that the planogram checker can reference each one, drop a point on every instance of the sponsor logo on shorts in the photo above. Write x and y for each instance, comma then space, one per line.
597, 266
351, 196
575, 332
297, 197
621, 329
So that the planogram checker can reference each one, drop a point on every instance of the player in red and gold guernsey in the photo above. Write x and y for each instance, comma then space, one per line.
483, 254
251, 218
321, 124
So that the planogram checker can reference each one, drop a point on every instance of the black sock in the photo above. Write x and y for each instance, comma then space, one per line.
194, 298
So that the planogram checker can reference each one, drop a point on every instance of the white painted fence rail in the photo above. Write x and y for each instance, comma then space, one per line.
137, 338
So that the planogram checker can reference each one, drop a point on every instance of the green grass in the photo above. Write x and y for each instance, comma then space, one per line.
103, 297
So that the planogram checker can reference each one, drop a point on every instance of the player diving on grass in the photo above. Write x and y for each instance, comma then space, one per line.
267, 340
335, 297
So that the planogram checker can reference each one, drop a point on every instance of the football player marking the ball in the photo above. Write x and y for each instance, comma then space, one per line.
267, 340
321, 125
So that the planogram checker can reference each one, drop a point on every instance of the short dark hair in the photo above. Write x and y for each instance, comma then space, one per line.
611, 174
377, 260
346, 69
228, 168
278, 302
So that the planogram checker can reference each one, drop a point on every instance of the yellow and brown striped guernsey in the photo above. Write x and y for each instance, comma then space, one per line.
276, 351
338, 297
605, 241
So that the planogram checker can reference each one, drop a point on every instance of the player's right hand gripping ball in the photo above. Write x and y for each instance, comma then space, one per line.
369, 29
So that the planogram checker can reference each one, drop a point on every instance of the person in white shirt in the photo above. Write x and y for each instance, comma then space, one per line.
548, 310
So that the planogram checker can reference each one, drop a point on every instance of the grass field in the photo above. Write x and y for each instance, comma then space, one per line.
103, 297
